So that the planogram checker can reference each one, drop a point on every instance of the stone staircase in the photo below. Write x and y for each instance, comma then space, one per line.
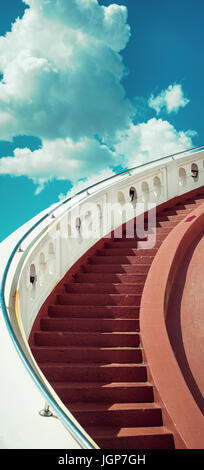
88, 346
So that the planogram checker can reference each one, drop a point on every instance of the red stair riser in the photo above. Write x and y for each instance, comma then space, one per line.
93, 311
142, 442
80, 339
127, 245
177, 211
99, 299
167, 223
122, 259
120, 355
88, 325
131, 417
111, 278
128, 252
80, 373
104, 288
116, 268
171, 217
103, 393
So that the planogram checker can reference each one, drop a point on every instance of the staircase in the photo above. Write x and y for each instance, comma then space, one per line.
89, 348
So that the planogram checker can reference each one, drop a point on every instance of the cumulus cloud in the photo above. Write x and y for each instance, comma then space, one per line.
62, 71
170, 100
151, 140
60, 159
62, 75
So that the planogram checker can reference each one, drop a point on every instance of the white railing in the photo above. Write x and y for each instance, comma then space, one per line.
38, 255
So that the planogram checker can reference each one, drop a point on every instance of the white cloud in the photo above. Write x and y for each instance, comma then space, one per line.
62, 82
60, 159
153, 139
170, 100
62, 71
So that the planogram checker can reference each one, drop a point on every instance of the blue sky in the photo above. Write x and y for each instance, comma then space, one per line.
90, 87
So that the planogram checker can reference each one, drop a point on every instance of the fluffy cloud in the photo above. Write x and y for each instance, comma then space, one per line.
170, 100
153, 139
91, 160
60, 159
62, 71
62, 82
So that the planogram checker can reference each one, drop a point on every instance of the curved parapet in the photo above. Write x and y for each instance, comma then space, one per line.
172, 331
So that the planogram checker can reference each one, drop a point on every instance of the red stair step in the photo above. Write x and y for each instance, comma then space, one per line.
127, 252
131, 438
104, 392
98, 299
100, 372
103, 288
117, 414
163, 229
89, 324
126, 244
177, 210
140, 259
94, 311
166, 223
72, 354
171, 217
198, 198
45, 338
116, 268
89, 278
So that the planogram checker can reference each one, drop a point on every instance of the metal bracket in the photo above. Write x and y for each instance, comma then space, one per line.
45, 412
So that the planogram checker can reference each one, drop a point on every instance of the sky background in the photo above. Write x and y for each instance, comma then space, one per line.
91, 87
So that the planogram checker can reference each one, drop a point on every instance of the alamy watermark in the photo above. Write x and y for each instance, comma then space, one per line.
113, 220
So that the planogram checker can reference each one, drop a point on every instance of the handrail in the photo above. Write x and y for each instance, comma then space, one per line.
67, 421
131, 169
72, 427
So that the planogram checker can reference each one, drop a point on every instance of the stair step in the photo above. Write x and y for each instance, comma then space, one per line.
147, 260
156, 437
199, 198
163, 229
176, 210
94, 311
187, 206
117, 414
116, 268
44, 338
98, 299
89, 278
171, 217
115, 392
166, 223
103, 288
127, 245
89, 324
100, 372
80, 354
127, 252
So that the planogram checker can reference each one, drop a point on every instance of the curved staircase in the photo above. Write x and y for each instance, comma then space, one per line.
89, 346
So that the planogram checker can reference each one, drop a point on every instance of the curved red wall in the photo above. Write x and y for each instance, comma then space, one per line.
168, 331
185, 319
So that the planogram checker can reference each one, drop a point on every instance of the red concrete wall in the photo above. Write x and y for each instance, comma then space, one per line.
162, 330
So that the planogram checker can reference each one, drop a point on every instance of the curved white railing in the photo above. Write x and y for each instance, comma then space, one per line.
37, 256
